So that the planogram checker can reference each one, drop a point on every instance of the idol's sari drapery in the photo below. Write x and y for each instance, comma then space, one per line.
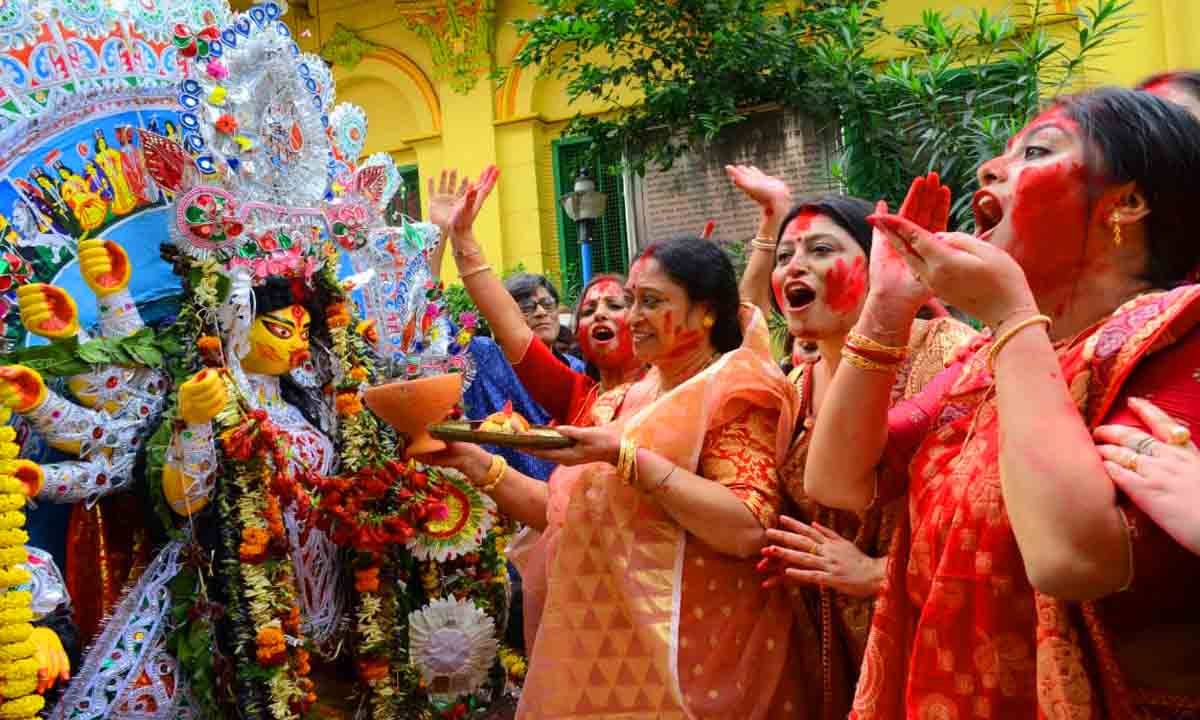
642, 619
830, 627
959, 631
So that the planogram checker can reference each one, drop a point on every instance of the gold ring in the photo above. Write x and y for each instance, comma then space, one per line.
1179, 436
1130, 462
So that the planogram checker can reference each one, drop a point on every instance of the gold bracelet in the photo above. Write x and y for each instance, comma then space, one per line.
475, 271
762, 243
469, 253
863, 363
626, 460
999, 343
494, 475
862, 342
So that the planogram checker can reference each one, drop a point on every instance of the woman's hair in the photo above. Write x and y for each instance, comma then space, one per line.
707, 275
1188, 80
523, 286
1141, 138
848, 213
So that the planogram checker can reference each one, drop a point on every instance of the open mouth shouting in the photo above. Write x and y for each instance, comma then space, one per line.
798, 296
602, 334
988, 213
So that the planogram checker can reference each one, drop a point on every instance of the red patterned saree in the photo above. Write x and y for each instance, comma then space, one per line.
958, 631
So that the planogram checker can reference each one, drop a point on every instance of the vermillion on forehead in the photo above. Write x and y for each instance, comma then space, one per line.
602, 289
800, 224
1055, 117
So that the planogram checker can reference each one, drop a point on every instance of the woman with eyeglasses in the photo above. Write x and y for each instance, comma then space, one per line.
525, 309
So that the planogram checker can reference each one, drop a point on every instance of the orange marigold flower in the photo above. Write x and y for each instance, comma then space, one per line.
367, 580
366, 328
337, 321
291, 623
372, 670
348, 404
227, 124
335, 309
358, 373
271, 649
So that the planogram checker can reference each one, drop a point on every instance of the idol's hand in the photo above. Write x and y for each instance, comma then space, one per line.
30, 474
105, 266
21, 388
975, 276
53, 665
769, 192
802, 554
443, 199
467, 207
1159, 472
202, 397
48, 311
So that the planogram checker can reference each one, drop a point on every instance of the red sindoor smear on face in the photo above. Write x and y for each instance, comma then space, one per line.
1050, 221
845, 284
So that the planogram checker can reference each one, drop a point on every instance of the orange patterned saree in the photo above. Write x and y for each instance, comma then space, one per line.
641, 619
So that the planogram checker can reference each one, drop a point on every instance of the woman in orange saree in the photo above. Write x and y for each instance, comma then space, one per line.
652, 606
1022, 584
814, 274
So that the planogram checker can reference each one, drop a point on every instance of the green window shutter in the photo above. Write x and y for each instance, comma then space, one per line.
610, 247
407, 200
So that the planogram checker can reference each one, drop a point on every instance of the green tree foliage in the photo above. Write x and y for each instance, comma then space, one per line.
959, 87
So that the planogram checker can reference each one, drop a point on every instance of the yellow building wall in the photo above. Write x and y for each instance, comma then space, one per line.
424, 122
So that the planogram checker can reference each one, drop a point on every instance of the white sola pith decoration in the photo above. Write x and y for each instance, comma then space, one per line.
453, 644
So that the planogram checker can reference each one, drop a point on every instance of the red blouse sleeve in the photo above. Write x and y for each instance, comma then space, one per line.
556, 387
1166, 576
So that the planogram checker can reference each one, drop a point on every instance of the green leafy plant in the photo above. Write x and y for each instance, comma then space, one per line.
678, 74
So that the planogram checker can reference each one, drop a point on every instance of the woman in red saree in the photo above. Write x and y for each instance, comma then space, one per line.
652, 606
1023, 584
601, 328
814, 271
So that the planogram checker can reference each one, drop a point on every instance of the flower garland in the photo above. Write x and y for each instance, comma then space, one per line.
18, 666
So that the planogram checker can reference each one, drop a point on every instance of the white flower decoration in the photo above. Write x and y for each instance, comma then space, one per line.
453, 643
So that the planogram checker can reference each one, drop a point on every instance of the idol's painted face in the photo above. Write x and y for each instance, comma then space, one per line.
603, 329
820, 277
1036, 203
667, 327
278, 341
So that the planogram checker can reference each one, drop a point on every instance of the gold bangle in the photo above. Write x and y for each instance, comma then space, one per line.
867, 364
475, 271
470, 253
862, 342
626, 461
494, 475
762, 243
999, 343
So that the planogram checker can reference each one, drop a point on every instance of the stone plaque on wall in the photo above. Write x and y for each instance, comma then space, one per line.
680, 201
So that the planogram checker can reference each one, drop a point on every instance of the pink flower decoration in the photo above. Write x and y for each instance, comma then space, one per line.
216, 70
469, 320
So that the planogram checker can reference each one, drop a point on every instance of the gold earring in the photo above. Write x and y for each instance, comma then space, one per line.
709, 322
1116, 223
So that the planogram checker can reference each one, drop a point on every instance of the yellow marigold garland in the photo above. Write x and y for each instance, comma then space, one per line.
18, 664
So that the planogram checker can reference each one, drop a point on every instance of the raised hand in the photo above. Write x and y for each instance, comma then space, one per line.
105, 266
927, 204
966, 272
48, 311
466, 209
202, 397
21, 388
771, 193
443, 199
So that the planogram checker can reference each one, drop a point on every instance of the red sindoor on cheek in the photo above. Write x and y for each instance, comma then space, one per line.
1050, 222
845, 284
